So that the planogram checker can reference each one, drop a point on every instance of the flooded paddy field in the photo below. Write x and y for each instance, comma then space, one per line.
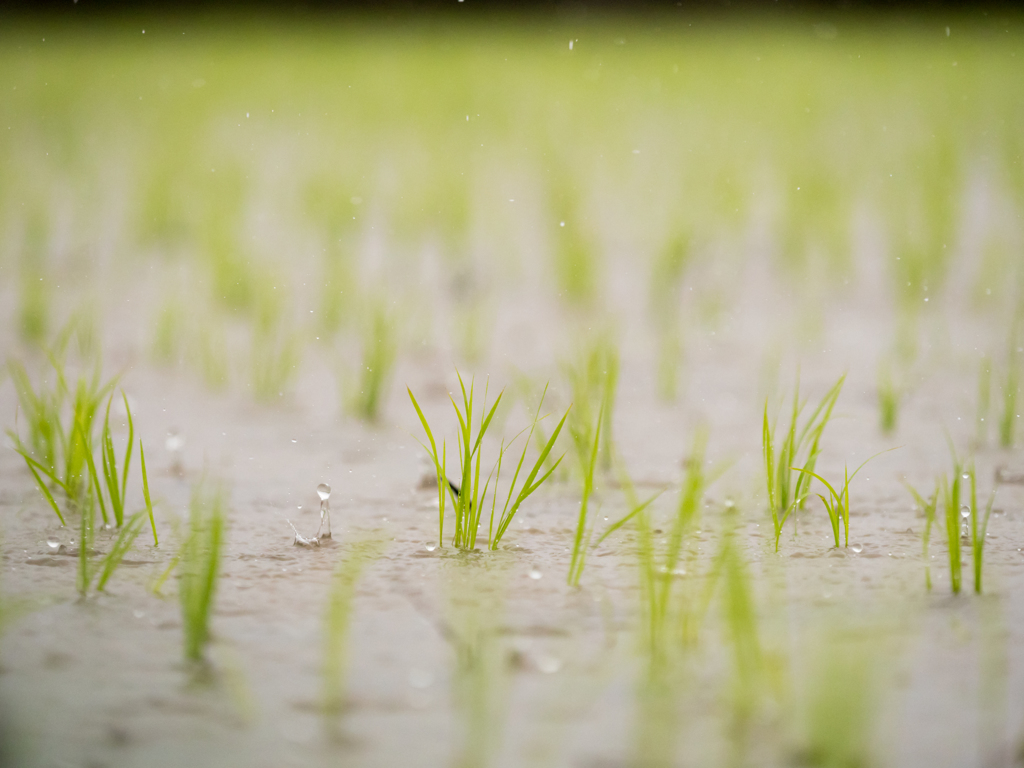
263, 257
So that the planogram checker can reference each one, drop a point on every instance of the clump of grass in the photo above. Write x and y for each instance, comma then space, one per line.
838, 503
379, 351
199, 568
337, 617
469, 497
59, 452
789, 466
928, 507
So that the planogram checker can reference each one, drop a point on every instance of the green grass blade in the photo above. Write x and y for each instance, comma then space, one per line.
125, 538
629, 516
145, 493
128, 450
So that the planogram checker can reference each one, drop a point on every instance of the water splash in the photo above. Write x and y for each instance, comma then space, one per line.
324, 492
302, 541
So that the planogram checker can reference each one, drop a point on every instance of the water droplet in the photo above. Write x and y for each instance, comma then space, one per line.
324, 491
535, 574
138, 614
430, 547
965, 476
53, 544
965, 511
857, 548
174, 442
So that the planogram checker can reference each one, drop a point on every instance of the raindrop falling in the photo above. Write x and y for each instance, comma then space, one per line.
965, 511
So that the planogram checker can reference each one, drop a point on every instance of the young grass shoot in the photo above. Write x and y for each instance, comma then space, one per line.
469, 498
199, 567
789, 466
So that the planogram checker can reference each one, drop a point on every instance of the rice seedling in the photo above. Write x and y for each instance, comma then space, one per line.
117, 486
379, 351
928, 507
125, 538
145, 494
42, 410
199, 567
58, 454
978, 528
337, 618
86, 529
582, 538
951, 506
787, 491
468, 498
838, 502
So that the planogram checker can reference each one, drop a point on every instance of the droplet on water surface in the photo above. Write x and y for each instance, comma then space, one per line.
857, 548
430, 547
54, 545
324, 491
535, 574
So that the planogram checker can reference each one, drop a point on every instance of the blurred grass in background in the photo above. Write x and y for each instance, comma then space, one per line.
268, 174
